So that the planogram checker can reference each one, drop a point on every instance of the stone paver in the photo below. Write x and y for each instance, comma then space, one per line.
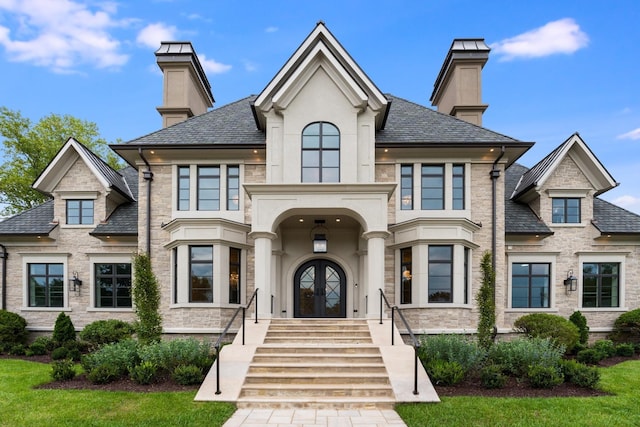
314, 418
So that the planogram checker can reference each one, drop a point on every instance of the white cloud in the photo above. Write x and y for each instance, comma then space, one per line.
634, 134
562, 36
153, 34
271, 29
213, 67
628, 202
61, 34
250, 66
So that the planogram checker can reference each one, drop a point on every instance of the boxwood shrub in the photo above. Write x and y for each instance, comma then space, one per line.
109, 331
544, 325
13, 330
626, 328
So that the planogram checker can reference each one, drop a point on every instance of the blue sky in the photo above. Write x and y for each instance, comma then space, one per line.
556, 67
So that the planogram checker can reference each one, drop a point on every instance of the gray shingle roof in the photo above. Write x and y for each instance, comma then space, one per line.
409, 122
519, 218
31, 222
532, 176
114, 178
124, 220
611, 219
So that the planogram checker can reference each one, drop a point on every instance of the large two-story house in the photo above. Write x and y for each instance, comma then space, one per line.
320, 191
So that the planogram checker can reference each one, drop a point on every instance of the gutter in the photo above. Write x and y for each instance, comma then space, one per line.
4, 255
148, 176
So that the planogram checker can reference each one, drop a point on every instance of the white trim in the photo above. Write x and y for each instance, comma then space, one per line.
45, 258
602, 257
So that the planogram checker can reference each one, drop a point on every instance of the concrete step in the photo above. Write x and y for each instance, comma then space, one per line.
342, 358
328, 340
294, 367
315, 350
335, 378
360, 403
316, 390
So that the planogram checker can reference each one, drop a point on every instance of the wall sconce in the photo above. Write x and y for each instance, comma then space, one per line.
75, 282
571, 282
319, 232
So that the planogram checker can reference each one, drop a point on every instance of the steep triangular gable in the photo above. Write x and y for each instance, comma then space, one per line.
579, 152
63, 161
321, 50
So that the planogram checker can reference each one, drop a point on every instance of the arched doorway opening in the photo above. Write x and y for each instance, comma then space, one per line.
319, 289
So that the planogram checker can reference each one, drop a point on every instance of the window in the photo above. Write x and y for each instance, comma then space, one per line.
113, 285
432, 187
234, 275
405, 275
406, 187
201, 273
233, 188
46, 285
565, 211
458, 187
601, 284
208, 188
174, 253
467, 253
321, 153
530, 285
440, 274
79, 212
183, 188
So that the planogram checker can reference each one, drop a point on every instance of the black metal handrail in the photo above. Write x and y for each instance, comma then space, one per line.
416, 343
222, 335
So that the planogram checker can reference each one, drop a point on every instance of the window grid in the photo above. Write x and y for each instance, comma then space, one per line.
406, 187
530, 285
321, 153
405, 275
208, 188
432, 187
113, 285
234, 275
201, 273
233, 187
440, 274
565, 211
46, 285
79, 212
458, 187
601, 285
184, 178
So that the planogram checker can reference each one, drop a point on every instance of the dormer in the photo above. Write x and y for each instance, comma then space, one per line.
561, 187
85, 189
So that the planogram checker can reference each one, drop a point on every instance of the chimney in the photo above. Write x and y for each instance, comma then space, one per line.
186, 90
458, 88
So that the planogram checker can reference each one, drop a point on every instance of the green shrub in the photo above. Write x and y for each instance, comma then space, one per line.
63, 370
75, 355
486, 303
517, 355
41, 345
122, 355
442, 372
544, 376
59, 353
109, 331
606, 347
578, 319
104, 374
625, 349
63, 330
168, 355
452, 348
626, 328
544, 325
590, 356
144, 373
13, 330
18, 350
491, 376
587, 377
187, 375
146, 294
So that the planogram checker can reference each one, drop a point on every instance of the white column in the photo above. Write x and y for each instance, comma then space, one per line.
262, 273
375, 271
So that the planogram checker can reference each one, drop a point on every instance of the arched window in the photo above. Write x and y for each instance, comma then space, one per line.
321, 153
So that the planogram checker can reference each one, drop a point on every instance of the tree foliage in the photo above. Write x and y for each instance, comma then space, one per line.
146, 294
29, 147
486, 303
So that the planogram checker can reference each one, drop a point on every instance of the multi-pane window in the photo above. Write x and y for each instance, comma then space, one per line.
467, 279
201, 273
457, 182
234, 275
530, 285
208, 188
46, 285
233, 188
440, 274
174, 253
406, 187
113, 285
405, 275
601, 284
565, 211
184, 179
79, 212
321, 153
432, 187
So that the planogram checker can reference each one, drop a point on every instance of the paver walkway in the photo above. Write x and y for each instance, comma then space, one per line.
314, 418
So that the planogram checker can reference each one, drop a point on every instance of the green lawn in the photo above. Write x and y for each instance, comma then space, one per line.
622, 409
21, 405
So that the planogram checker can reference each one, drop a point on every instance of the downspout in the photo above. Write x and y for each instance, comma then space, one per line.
4, 255
495, 174
148, 176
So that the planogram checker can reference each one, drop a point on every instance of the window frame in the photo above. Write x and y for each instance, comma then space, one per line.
200, 176
440, 188
565, 208
406, 187
321, 148
115, 276
458, 182
432, 264
599, 277
81, 217
183, 193
406, 279
192, 276
531, 276
233, 187
235, 267
30, 297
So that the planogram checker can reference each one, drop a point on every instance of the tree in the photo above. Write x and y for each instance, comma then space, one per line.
486, 303
28, 149
146, 296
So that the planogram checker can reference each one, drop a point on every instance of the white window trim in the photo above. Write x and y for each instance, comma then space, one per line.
529, 258
585, 258
45, 258
107, 259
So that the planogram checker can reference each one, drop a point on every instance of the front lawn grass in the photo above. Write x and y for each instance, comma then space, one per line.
620, 409
22, 405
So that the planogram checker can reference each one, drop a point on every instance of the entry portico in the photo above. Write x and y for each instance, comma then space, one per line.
283, 219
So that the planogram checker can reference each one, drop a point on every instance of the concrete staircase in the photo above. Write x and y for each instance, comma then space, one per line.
317, 363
